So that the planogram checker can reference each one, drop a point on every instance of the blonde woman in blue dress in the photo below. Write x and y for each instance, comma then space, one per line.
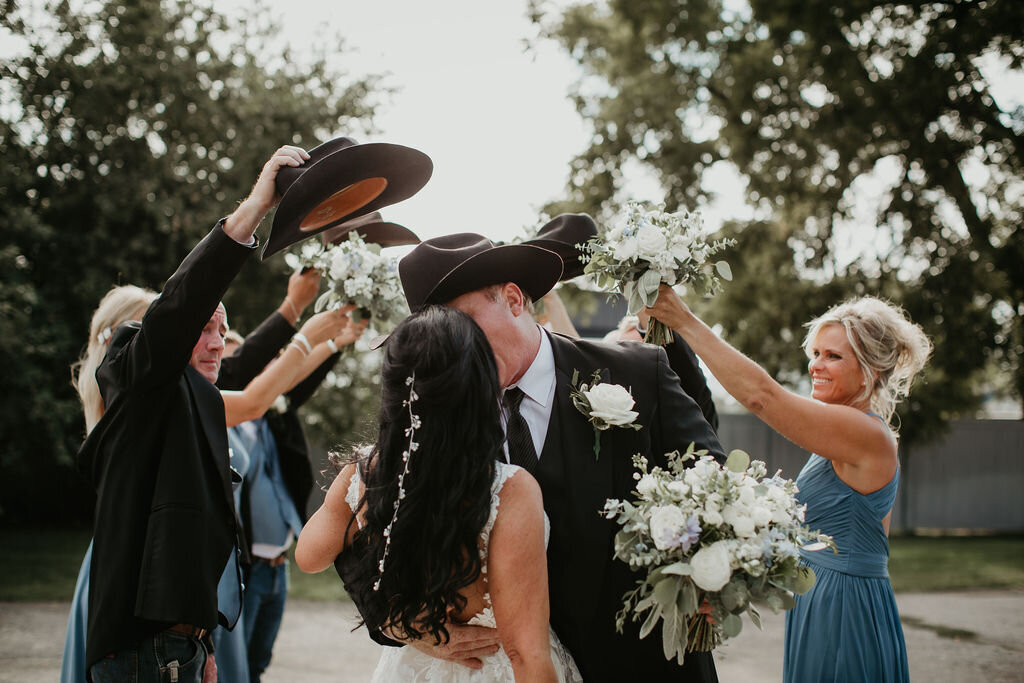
863, 355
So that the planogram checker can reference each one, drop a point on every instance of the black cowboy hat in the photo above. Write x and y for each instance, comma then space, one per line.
561, 235
341, 181
443, 268
373, 229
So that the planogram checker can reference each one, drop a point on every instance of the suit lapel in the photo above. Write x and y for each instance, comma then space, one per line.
210, 408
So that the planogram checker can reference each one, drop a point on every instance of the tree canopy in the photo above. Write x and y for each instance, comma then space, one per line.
127, 130
813, 103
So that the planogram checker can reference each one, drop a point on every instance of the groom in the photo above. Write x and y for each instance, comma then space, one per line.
495, 286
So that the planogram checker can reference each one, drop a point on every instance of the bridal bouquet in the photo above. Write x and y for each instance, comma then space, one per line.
356, 273
650, 247
713, 540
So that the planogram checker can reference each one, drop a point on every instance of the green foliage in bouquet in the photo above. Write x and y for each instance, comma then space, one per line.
713, 541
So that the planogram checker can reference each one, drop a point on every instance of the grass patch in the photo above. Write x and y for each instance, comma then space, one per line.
956, 562
40, 565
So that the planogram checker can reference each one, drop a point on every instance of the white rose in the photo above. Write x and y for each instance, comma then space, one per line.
680, 251
712, 517
651, 242
667, 523
611, 403
678, 488
646, 485
711, 566
739, 518
761, 515
627, 249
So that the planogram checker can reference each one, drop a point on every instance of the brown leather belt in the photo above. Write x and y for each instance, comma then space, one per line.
190, 630
274, 561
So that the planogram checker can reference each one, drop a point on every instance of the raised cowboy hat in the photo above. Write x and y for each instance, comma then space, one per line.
561, 235
341, 181
442, 268
373, 229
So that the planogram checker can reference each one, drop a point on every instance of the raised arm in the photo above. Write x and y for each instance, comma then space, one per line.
282, 374
518, 579
837, 432
323, 537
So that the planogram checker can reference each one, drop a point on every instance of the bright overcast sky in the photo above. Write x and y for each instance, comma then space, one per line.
494, 117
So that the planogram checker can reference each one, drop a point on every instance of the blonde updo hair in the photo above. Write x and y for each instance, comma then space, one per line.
889, 348
120, 305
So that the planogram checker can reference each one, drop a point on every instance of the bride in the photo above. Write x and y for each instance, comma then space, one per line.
442, 532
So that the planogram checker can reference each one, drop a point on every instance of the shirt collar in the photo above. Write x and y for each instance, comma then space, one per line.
536, 382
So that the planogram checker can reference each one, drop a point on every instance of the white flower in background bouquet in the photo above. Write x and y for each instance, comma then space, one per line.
356, 273
649, 247
713, 540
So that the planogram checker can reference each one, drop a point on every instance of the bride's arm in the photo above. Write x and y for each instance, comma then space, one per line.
323, 537
518, 579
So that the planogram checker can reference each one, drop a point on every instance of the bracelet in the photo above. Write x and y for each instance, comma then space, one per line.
299, 348
301, 338
291, 305
332, 346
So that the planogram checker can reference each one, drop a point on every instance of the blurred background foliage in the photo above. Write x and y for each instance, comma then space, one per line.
127, 130
809, 104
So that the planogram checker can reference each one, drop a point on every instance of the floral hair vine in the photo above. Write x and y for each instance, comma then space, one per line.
410, 431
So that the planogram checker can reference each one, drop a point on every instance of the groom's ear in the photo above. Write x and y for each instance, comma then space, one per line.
514, 298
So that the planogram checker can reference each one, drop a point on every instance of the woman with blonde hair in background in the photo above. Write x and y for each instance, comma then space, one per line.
863, 356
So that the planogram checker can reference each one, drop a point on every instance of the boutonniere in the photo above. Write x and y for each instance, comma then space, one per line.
604, 405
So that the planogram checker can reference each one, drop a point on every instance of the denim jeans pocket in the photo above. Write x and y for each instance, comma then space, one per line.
123, 666
181, 658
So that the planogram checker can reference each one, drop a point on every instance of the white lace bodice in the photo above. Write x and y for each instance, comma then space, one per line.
409, 664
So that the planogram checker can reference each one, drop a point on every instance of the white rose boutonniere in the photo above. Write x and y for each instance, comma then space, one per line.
604, 405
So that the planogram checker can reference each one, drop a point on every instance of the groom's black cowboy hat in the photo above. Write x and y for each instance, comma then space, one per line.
443, 268
561, 235
340, 181
373, 229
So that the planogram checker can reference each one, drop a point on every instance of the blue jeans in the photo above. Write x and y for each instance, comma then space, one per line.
262, 610
167, 657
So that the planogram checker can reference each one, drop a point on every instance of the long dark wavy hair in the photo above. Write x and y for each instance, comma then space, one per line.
434, 549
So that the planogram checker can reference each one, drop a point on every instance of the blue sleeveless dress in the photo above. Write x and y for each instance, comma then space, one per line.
847, 627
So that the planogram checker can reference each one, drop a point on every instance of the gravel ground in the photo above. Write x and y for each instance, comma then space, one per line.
966, 636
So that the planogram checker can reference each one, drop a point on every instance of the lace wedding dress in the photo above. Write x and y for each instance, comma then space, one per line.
409, 664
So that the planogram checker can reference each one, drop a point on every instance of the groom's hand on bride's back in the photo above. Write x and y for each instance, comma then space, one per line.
465, 646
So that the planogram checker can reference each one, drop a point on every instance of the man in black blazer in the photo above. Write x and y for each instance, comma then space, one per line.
165, 521
495, 285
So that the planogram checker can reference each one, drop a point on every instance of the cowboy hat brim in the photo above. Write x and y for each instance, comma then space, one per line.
384, 233
573, 267
533, 269
344, 184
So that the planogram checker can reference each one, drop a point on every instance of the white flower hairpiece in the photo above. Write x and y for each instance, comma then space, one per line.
410, 431
104, 336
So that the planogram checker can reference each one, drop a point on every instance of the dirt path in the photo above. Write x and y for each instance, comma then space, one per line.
973, 636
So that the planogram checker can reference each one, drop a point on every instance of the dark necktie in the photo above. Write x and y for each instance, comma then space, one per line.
520, 444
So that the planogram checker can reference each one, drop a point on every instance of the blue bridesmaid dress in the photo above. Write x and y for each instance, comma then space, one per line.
847, 627
72, 668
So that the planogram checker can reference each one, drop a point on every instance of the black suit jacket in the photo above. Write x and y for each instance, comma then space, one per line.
586, 583
165, 522
684, 363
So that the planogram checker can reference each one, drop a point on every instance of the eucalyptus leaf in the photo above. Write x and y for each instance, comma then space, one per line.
724, 270
803, 580
731, 626
738, 461
755, 616
788, 601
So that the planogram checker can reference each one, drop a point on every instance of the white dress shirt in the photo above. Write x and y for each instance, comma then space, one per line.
538, 386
